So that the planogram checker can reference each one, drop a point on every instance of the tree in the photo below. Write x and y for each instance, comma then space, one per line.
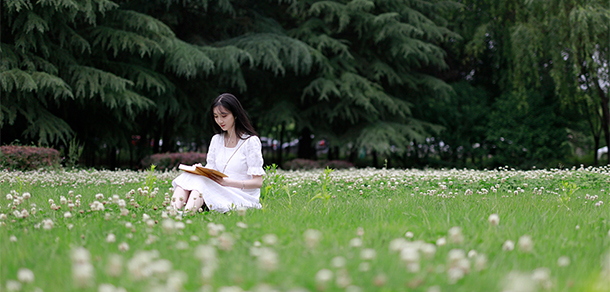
569, 40
69, 66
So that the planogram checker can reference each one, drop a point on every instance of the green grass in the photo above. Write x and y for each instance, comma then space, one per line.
381, 205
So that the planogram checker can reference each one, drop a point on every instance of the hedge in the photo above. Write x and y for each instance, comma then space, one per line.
15, 157
304, 164
164, 161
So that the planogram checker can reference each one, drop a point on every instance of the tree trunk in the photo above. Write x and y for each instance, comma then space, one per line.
595, 149
375, 161
280, 150
605, 115
306, 150
111, 157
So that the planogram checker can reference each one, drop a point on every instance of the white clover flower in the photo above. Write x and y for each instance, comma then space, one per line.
480, 262
215, 229
355, 242
9, 197
25, 275
241, 225
241, 211
128, 225
409, 234
26, 196
441, 241
455, 235
454, 274
106, 287
338, 262
182, 245
343, 280
123, 246
472, 253
360, 231
542, 276
428, 250
205, 253
525, 243
168, 225
368, 254
270, 239
63, 200
267, 259
312, 237
47, 224
494, 219
111, 238
80, 255
225, 241
99, 196
12, 238
508, 245
145, 217
518, 282
410, 257
12, 285
455, 255
323, 276
563, 261
68, 215
397, 244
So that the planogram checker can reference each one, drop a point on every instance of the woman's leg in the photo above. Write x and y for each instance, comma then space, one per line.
179, 198
195, 201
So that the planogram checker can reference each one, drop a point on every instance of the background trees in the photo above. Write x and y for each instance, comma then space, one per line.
448, 83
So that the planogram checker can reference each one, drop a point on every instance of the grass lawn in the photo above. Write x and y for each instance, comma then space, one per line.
347, 230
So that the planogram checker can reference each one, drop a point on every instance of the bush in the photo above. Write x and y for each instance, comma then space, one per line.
15, 157
305, 164
338, 164
165, 161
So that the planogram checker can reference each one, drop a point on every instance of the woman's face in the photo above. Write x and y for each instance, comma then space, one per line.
224, 118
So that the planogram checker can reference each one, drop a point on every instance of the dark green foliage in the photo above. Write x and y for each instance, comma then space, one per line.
528, 136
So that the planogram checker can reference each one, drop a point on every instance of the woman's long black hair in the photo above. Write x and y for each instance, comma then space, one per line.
242, 122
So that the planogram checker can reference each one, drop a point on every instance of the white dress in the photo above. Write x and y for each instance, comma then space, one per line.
246, 160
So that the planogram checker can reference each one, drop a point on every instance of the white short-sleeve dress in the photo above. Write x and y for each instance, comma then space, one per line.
240, 162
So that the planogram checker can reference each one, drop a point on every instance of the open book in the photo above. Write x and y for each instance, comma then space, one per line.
200, 170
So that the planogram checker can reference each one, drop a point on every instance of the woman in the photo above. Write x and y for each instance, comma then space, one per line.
235, 150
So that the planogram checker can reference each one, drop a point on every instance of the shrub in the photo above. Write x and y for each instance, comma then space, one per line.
304, 164
164, 161
338, 164
16, 157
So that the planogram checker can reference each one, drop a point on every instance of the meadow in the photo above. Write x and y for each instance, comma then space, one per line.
323, 230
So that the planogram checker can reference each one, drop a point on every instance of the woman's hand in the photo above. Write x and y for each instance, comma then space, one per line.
255, 183
225, 182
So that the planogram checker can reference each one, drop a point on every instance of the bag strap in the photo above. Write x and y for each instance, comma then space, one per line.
242, 144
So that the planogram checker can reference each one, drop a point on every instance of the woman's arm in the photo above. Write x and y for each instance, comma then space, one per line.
255, 183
